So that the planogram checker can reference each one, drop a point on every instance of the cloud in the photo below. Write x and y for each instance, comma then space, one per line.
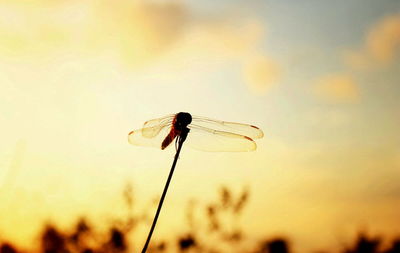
140, 30
229, 39
384, 39
337, 88
135, 31
380, 47
135, 34
381, 44
238, 41
260, 74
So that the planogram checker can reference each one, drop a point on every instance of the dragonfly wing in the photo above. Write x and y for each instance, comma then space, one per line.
231, 127
151, 132
159, 121
150, 136
206, 139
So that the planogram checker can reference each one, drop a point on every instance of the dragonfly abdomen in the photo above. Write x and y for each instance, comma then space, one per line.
170, 137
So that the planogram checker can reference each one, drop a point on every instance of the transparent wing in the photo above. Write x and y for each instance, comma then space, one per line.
206, 139
149, 136
232, 127
159, 121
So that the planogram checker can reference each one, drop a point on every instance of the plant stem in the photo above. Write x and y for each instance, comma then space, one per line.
182, 138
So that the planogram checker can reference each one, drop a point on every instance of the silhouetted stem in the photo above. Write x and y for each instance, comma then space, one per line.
182, 138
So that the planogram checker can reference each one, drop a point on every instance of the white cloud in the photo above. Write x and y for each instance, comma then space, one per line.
381, 45
260, 74
337, 88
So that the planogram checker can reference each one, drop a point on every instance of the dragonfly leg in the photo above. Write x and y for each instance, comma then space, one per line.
176, 142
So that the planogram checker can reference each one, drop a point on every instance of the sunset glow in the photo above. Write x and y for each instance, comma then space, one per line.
320, 78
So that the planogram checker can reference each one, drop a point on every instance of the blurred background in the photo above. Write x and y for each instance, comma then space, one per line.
319, 77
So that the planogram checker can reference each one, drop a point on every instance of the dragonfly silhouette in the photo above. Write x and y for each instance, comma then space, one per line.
205, 134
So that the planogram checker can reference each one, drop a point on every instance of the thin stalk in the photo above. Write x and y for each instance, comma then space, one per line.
181, 139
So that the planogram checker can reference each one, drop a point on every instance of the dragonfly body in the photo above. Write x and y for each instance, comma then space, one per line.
179, 124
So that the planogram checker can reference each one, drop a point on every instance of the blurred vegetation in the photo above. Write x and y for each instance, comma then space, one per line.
213, 227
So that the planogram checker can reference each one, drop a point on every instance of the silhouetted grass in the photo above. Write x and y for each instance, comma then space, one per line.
209, 230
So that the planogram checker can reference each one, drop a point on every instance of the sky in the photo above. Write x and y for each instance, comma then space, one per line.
320, 78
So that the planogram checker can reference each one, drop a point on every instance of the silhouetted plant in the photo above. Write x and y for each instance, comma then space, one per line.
278, 246
117, 240
395, 247
53, 241
213, 227
187, 242
221, 225
7, 248
365, 245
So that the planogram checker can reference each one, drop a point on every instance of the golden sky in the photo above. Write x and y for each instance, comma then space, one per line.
320, 79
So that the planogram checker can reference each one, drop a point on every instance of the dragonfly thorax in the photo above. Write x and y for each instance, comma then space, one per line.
182, 120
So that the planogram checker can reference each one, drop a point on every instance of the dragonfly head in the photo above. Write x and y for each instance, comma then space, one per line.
183, 119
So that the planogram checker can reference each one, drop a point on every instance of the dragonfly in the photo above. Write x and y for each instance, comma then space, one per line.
198, 132
205, 134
